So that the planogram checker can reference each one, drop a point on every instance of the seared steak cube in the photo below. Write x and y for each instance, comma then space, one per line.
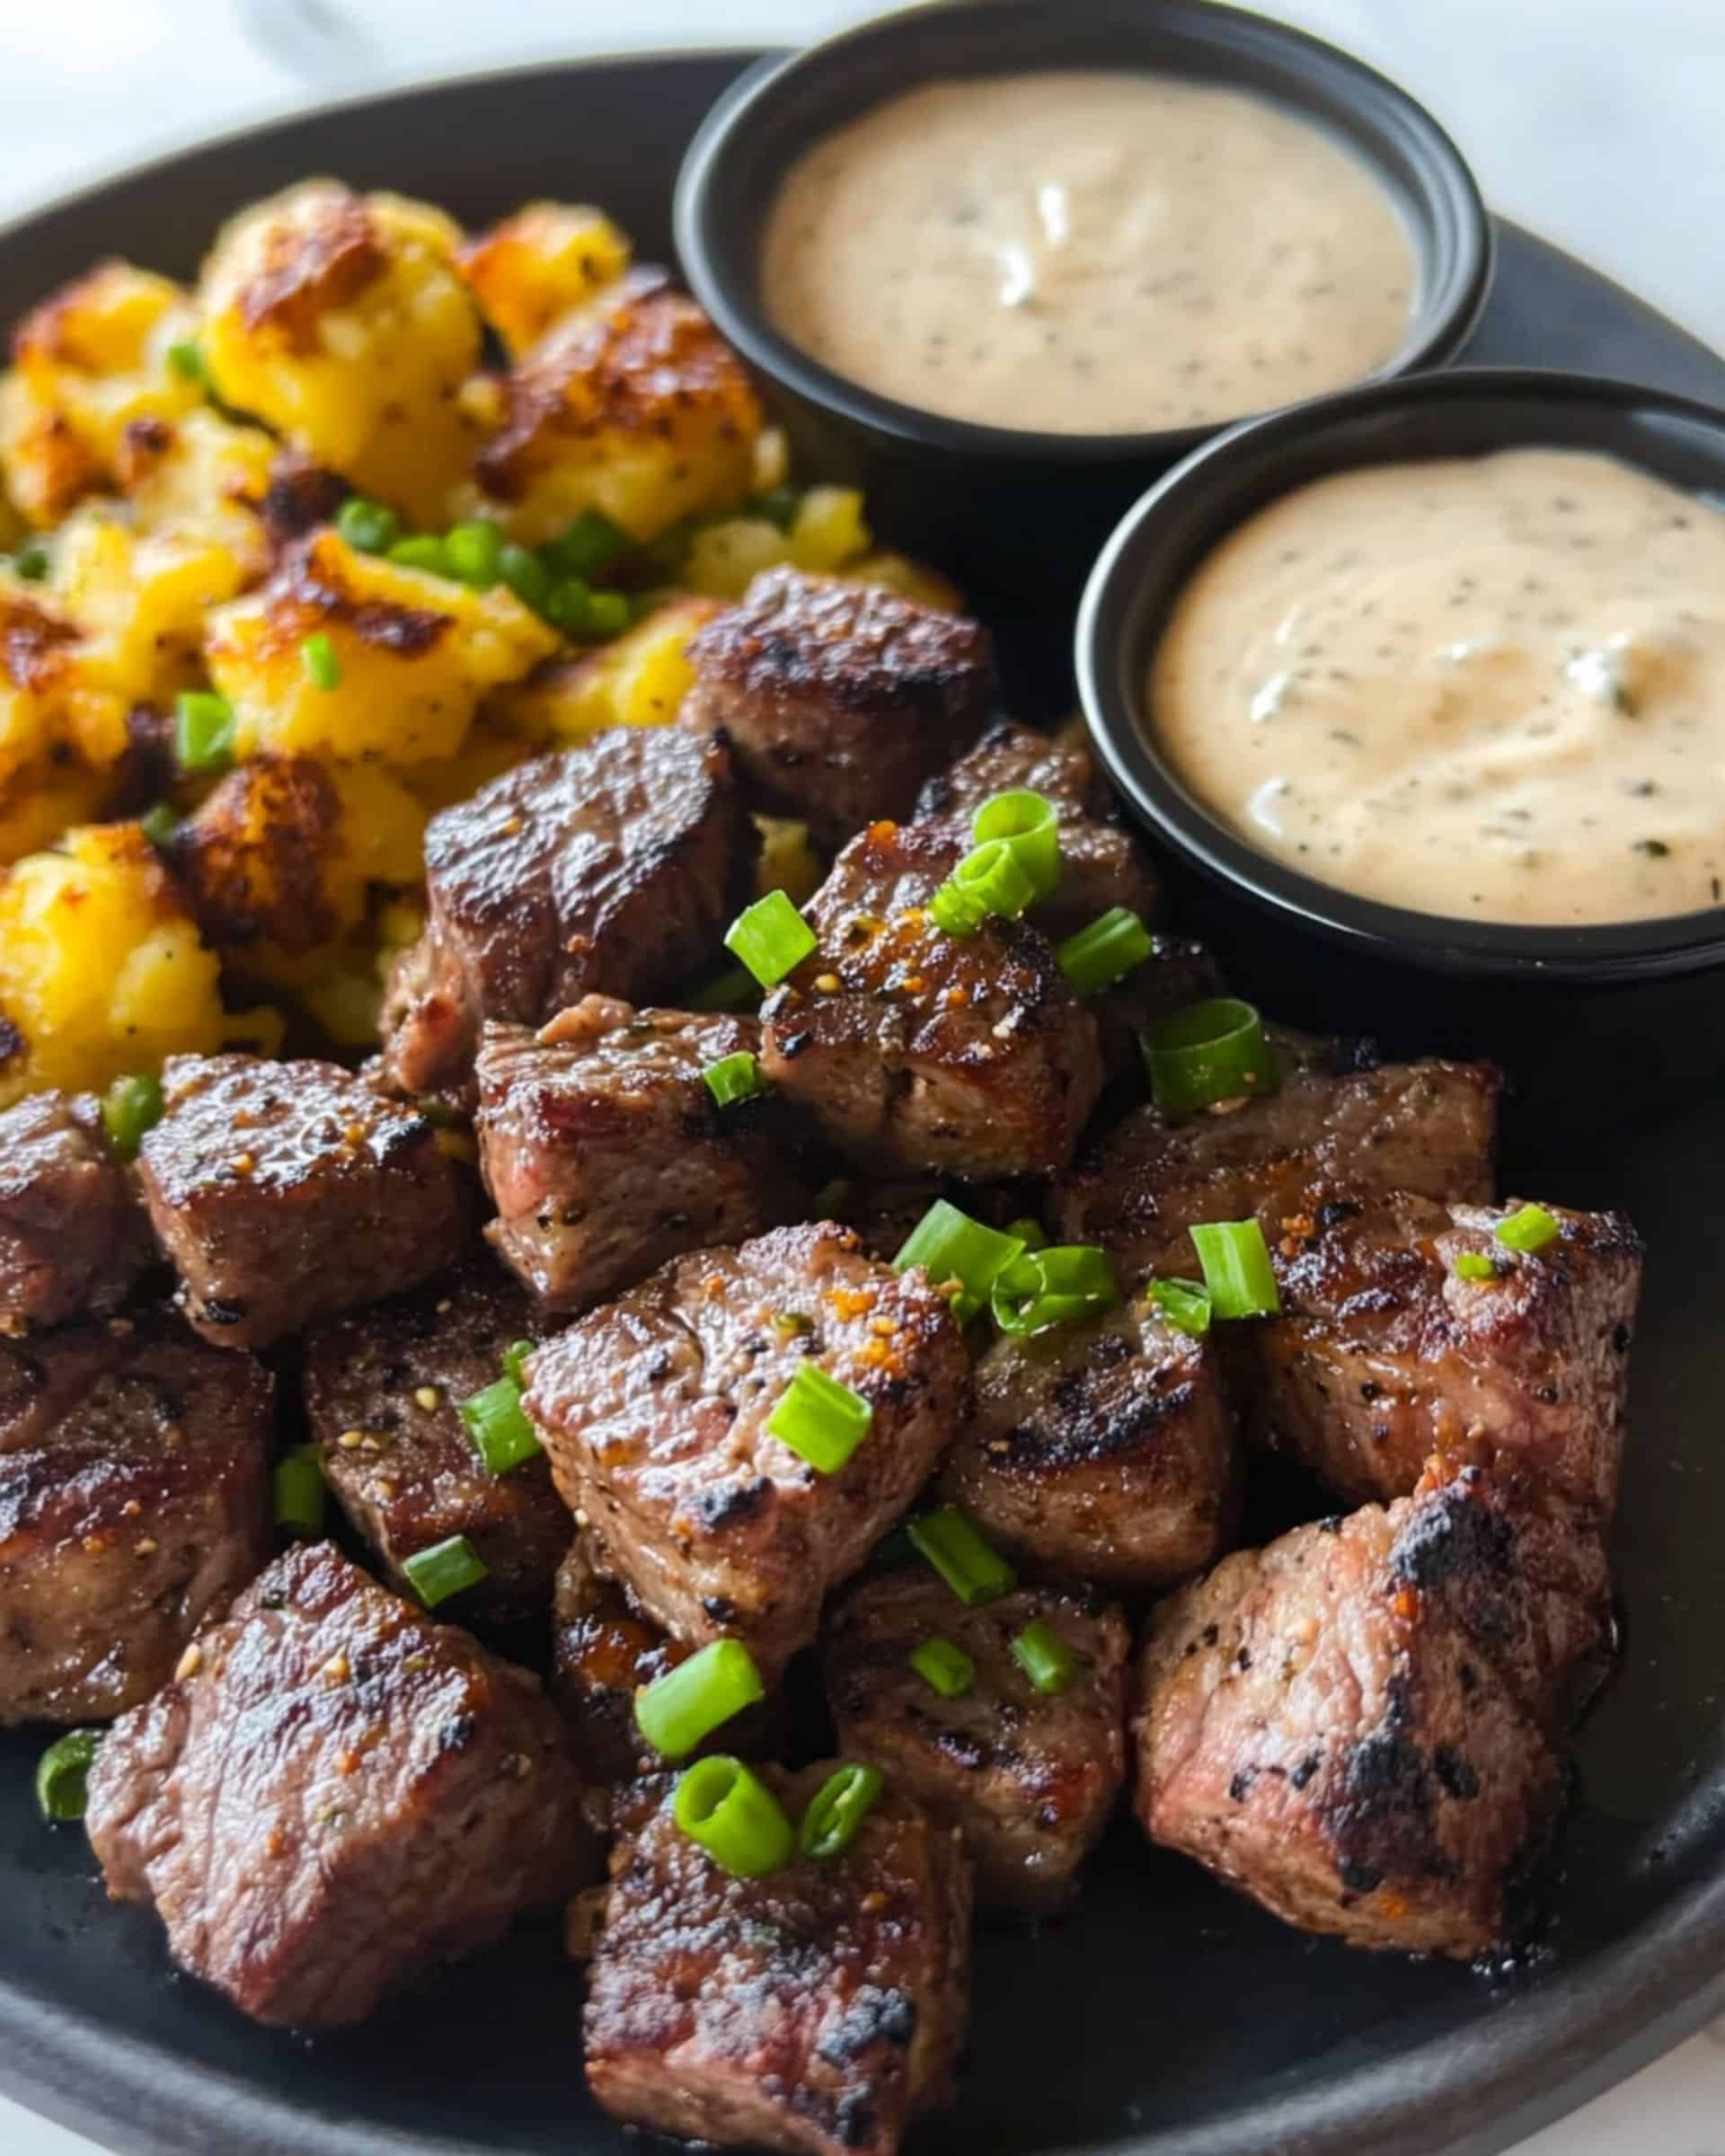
838, 699
134, 1501
1386, 1353
1029, 1777
72, 1234
1101, 864
817, 2009
285, 1191
1353, 1724
1178, 972
614, 866
606, 1153
654, 1410
384, 1390
1104, 1451
332, 1793
917, 1050
1427, 1127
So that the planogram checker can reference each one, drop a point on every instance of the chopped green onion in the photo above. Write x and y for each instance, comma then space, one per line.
734, 1817
995, 875
955, 912
838, 1807
579, 611
526, 574
778, 505
497, 1424
447, 1568
186, 358
515, 1358
950, 1543
32, 560
1474, 1265
770, 937
947, 1669
369, 527
1530, 1229
474, 552
203, 731
322, 666
1053, 1286
1237, 1270
1045, 1657
734, 989
949, 1245
1185, 1303
588, 544
159, 823
423, 551
1030, 1232
1102, 954
1208, 1052
822, 1421
676, 1712
63, 1775
130, 1107
299, 1490
1030, 825
734, 1078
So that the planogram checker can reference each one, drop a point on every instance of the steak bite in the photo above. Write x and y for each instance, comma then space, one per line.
615, 866
286, 1191
1356, 1726
1386, 1354
1427, 1127
1101, 864
838, 699
133, 1502
818, 2008
606, 1153
1029, 1777
1103, 1451
917, 1050
384, 1390
334, 1792
655, 1410
72, 1234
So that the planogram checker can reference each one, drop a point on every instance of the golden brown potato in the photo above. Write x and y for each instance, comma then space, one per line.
50, 710
204, 480
139, 604
638, 679
531, 269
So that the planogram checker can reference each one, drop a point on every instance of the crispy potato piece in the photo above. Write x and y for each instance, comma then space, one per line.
102, 968
531, 269
202, 479
414, 652
788, 860
639, 679
339, 319
90, 363
45, 798
139, 605
634, 405
50, 710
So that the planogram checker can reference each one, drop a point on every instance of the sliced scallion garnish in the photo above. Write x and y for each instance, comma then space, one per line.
821, 1420
1208, 1052
944, 1667
734, 1078
1053, 1286
1030, 825
1531, 1228
734, 1817
1045, 1657
949, 1245
63, 1775
299, 1490
1185, 1303
838, 1808
1237, 1270
447, 1568
1096, 956
676, 1712
964, 1560
771, 938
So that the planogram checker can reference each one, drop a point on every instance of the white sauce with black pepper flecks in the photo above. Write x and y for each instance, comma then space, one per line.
1087, 252
1491, 687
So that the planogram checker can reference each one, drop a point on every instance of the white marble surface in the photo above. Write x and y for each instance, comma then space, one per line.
1596, 121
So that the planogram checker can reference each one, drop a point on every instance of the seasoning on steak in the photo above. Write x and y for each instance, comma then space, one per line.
654, 1410
72, 1234
1103, 1451
332, 1793
615, 866
1101, 864
286, 1191
1427, 1127
1358, 1726
1385, 1354
817, 2009
838, 699
384, 1390
606, 1153
1029, 1777
916, 1050
133, 1502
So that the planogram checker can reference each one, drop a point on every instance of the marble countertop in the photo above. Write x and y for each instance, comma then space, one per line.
1594, 121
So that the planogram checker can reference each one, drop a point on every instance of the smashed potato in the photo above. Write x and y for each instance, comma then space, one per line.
203, 479
139, 605
533, 269
50, 710
826, 533
640, 679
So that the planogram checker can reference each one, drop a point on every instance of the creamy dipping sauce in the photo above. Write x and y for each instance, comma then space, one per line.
1087, 253
1489, 687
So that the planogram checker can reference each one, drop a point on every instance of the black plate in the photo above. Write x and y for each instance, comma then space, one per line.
1165, 2018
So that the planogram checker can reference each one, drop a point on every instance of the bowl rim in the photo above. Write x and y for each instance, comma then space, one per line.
1445, 320
1601, 953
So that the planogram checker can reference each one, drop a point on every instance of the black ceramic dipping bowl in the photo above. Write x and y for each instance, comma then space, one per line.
1026, 511
1607, 1019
